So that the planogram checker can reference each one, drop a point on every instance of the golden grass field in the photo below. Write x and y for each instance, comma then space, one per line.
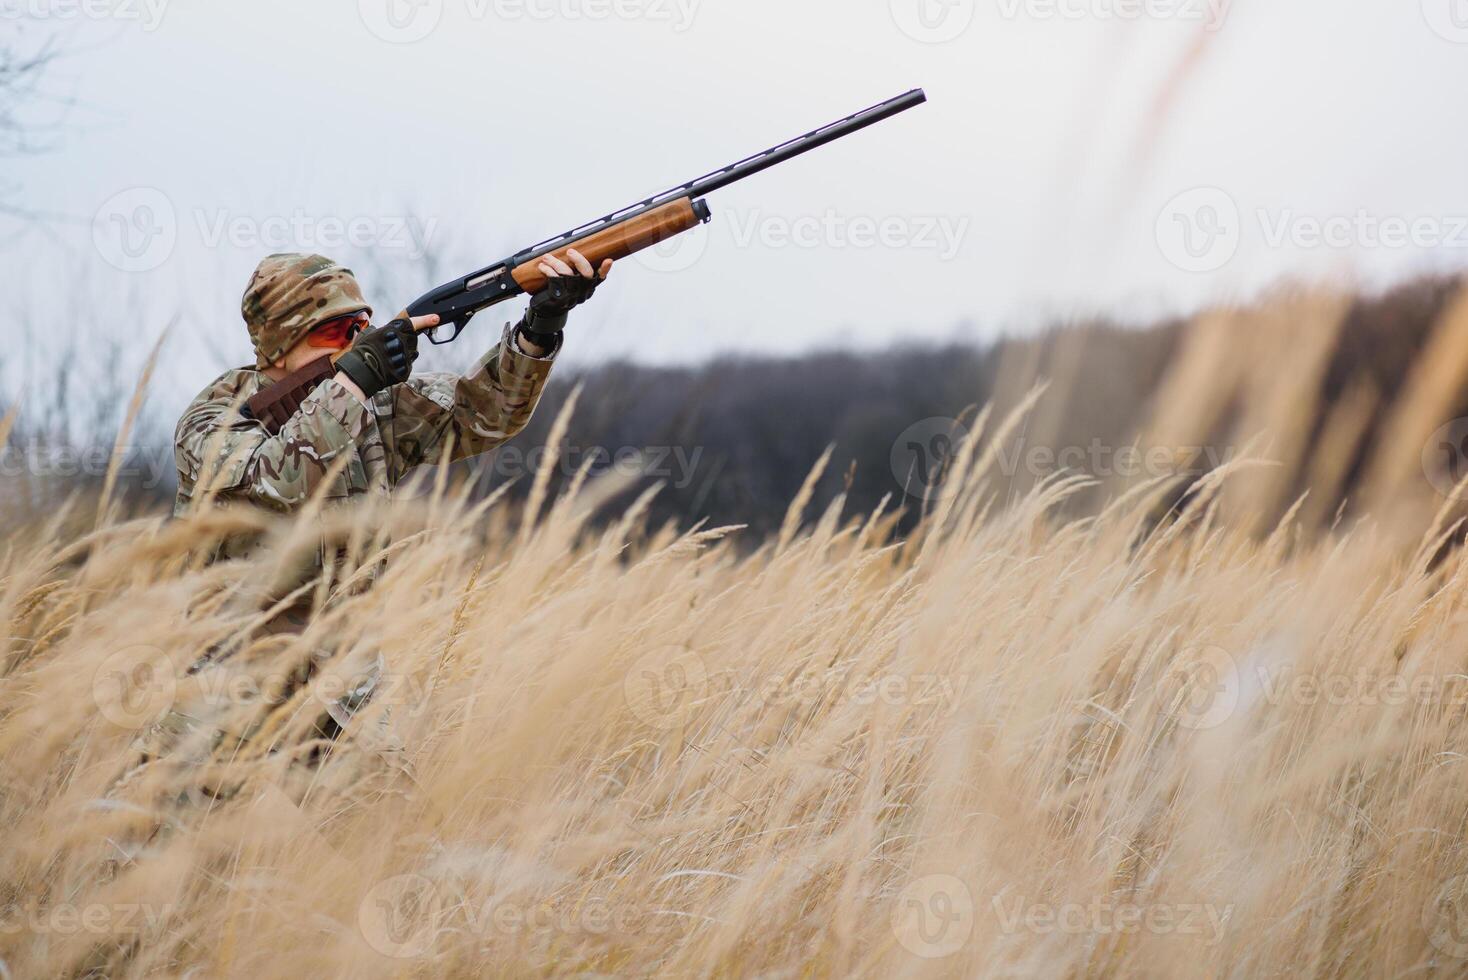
1026, 740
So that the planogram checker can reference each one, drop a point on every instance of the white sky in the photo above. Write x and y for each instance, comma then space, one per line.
1040, 183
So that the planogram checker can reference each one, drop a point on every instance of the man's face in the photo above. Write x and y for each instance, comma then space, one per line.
325, 340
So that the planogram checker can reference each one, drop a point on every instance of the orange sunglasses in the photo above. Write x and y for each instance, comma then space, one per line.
338, 333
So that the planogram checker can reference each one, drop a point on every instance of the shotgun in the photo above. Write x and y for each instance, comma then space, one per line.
622, 233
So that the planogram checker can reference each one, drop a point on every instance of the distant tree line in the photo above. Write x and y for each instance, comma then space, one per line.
733, 439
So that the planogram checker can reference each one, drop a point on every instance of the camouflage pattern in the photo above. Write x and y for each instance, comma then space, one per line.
404, 427
291, 293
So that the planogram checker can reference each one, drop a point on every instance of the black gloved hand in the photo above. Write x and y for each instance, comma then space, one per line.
381, 357
546, 316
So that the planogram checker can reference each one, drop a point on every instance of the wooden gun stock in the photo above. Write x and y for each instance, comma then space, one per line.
620, 240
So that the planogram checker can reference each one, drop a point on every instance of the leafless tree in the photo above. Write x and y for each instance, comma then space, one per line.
24, 57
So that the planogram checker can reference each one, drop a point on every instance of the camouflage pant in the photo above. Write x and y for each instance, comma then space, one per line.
287, 715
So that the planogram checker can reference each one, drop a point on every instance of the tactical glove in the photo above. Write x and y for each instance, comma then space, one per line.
546, 316
381, 357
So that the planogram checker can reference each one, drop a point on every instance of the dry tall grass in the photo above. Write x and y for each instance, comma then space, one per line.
1015, 743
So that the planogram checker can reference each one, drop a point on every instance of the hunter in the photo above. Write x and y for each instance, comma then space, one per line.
327, 385
365, 403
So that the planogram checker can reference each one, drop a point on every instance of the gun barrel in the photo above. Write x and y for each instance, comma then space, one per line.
804, 144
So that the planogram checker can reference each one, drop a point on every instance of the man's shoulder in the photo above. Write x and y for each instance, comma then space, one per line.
222, 392
229, 385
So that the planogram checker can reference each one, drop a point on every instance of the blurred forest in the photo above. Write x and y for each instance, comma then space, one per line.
732, 441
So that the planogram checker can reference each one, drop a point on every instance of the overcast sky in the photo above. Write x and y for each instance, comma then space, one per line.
1077, 157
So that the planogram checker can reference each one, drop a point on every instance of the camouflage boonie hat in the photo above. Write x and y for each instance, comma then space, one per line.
291, 293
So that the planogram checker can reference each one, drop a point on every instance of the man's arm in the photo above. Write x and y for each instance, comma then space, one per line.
495, 401
238, 459
479, 411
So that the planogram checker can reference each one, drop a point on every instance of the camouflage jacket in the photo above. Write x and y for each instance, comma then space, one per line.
403, 427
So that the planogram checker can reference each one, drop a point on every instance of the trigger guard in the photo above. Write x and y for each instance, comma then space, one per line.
457, 328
